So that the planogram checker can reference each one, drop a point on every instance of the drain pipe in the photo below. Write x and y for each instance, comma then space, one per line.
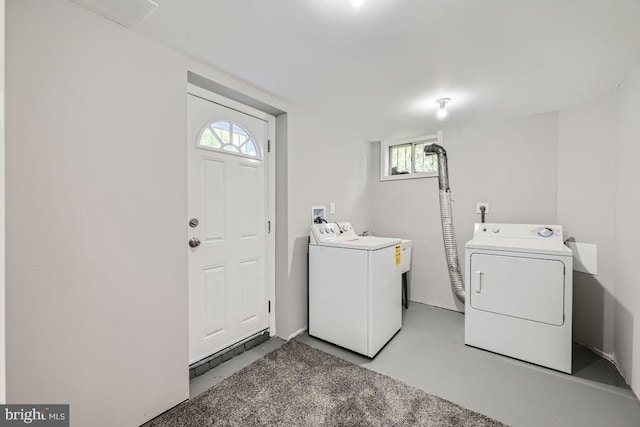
450, 248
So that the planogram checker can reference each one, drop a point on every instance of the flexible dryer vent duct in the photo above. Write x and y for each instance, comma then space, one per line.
451, 251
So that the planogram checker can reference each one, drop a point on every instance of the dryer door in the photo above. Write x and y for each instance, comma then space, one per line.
526, 288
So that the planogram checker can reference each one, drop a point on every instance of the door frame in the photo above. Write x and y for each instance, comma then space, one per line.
269, 159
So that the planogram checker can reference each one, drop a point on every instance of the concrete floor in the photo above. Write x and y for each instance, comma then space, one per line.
429, 353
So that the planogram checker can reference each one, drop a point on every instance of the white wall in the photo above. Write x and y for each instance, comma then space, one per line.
96, 191
96, 210
627, 287
598, 202
510, 164
2, 213
587, 139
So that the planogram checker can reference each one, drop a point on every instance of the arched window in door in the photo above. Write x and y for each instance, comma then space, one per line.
228, 136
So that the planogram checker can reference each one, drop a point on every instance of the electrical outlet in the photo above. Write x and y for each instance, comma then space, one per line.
332, 208
486, 207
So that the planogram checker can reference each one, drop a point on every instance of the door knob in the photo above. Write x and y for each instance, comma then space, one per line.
194, 242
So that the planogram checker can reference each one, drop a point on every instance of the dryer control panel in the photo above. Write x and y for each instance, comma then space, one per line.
519, 231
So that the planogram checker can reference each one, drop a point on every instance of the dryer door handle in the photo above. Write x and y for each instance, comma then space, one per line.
477, 285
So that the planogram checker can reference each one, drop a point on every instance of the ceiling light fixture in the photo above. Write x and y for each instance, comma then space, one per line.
357, 3
442, 111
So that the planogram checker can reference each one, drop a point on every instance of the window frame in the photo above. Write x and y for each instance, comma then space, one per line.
385, 173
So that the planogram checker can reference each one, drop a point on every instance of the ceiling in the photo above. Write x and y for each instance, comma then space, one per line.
377, 70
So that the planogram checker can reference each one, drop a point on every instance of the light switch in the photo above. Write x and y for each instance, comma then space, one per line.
332, 208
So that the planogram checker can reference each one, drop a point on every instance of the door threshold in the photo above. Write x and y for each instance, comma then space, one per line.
200, 367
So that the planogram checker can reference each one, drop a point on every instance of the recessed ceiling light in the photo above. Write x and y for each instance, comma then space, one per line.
357, 3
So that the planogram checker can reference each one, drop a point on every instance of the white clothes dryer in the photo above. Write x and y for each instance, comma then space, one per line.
354, 288
519, 290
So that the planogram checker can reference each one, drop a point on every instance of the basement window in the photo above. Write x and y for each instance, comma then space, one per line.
405, 158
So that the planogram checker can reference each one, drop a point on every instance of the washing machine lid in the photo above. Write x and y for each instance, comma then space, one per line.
366, 243
529, 238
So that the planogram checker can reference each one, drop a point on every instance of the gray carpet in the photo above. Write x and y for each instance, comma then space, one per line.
297, 385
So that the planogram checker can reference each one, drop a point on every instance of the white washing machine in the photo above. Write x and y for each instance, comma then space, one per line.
354, 288
519, 290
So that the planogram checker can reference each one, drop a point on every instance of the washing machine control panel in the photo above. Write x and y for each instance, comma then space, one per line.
324, 232
345, 229
519, 231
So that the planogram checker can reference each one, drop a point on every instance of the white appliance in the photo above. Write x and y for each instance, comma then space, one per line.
354, 288
519, 290
405, 267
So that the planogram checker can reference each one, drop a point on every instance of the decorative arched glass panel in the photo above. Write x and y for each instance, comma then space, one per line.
228, 136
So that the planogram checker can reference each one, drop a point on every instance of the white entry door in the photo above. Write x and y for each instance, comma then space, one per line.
228, 246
